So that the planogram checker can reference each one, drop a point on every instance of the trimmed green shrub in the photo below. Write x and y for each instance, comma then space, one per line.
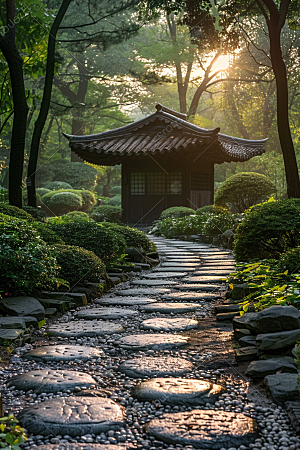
78, 265
268, 230
187, 226
243, 190
79, 175
176, 211
58, 203
3, 195
37, 214
47, 234
212, 209
218, 223
115, 201
42, 191
290, 260
77, 216
132, 236
105, 243
15, 212
57, 185
26, 262
87, 198
115, 190
107, 213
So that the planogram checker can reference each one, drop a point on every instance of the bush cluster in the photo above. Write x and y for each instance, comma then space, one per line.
132, 236
15, 212
78, 175
67, 200
115, 201
176, 211
290, 260
57, 185
218, 223
212, 209
107, 213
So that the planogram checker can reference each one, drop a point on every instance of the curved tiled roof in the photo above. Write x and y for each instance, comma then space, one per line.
163, 133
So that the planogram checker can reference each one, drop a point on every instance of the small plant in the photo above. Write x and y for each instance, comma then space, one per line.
107, 213
12, 435
243, 190
176, 212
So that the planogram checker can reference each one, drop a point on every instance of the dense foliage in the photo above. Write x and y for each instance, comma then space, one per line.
177, 227
176, 211
15, 212
26, 262
243, 190
78, 175
116, 200
105, 243
290, 260
268, 230
87, 200
132, 236
58, 203
107, 213
57, 185
78, 265
11, 434
47, 234
213, 209
37, 214
218, 223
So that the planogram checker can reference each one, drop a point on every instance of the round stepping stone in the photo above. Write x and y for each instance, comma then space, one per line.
176, 324
63, 353
51, 381
174, 269
178, 391
105, 313
73, 416
125, 301
179, 265
165, 308
204, 429
80, 446
203, 279
153, 341
212, 273
198, 287
84, 328
143, 291
191, 296
165, 275
183, 258
155, 367
153, 282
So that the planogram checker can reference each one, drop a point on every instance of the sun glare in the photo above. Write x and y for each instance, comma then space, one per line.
222, 63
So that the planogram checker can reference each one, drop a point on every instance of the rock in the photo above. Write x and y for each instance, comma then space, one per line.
84, 328
174, 270
50, 312
12, 322
10, 334
155, 367
73, 416
60, 305
124, 301
207, 296
246, 353
80, 446
142, 291
283, 386
241, 333
176, 324
240, 291
178, 391
50, 380
157, 275
278, 318
198, 287
22, 306
293, 411
227, 316
260, 369
274, 341
247, 341
105, 313
179, 265
166, 308
78, 298
219, 309
204, 429
31, 321
248, 321
62, 353
203, 279
153, 341
153, 282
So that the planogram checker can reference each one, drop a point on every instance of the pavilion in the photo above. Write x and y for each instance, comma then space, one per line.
166, 161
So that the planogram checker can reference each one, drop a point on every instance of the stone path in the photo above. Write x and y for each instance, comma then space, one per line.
133, 369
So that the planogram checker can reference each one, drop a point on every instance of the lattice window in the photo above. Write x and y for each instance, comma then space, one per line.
155, 183
200, 181
137, 183
174, 183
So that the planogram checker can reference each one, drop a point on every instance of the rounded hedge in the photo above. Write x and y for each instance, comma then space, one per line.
243, 190
290, 260
47, 234
78, 265
15, 212
107, 213
132, 236
115, 190
211, 209
87, 198
115, 201
105, 243
57, 185
176, 211
218, 223
37, 214
79, 175
268, 230
59, 203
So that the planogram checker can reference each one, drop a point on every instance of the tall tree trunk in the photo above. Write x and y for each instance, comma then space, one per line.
15, 65
283, 125
42, 117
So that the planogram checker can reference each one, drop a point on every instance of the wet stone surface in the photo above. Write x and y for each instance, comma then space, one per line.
73, 416
125, 301
191, 296
178, 391
63, 353
51, 380
105, 313
156, 366
167, 308
84, 328
153, 282
204, 429
142, 291
153, 341
156, 275
198, 287
160, 324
